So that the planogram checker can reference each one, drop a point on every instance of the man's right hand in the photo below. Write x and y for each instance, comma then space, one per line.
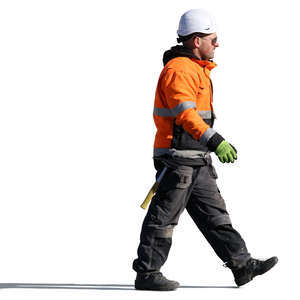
226, 152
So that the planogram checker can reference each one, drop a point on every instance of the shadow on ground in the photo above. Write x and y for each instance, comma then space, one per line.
93, 286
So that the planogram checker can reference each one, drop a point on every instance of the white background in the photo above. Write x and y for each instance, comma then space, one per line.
76, 134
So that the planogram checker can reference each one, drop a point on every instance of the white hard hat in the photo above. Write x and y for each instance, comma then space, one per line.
196, 20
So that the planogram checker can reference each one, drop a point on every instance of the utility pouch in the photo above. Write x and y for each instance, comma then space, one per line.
179, 178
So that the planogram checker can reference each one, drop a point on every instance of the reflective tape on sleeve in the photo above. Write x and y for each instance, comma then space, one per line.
206, 136
167, 112
163, 112
205, 114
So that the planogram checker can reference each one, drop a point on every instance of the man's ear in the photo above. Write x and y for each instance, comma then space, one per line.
197, 41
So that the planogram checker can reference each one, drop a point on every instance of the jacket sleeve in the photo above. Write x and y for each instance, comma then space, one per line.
180, 91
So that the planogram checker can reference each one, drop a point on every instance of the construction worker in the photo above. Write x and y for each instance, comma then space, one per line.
184, 118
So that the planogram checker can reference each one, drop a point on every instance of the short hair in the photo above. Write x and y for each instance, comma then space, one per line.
185, 38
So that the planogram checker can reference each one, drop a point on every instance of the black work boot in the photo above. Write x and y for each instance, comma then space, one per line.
253, 268
154, 282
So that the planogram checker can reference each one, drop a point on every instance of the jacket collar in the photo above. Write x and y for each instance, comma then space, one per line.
209, 64
181, 51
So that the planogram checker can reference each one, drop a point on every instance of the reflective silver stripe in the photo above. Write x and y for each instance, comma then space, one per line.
206, 136
220, 220
161, 151
183, 106
166, 232
167, 112
180, 153
205, 114
163, 112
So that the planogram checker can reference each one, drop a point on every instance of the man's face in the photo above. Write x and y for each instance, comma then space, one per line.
207, 46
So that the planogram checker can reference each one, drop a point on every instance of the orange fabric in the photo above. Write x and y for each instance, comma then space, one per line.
183, 80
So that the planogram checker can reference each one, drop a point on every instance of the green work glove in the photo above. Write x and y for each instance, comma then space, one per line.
226, 152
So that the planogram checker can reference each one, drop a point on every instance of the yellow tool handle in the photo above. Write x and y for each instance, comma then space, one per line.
150, 195
153, 189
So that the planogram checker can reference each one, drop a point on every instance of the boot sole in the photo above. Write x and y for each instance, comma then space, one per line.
162, 288
157, 289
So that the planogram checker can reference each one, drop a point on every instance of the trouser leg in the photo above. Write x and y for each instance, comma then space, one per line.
208, 210
163, 214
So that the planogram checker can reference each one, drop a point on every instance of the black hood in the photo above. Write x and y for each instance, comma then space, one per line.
177, 51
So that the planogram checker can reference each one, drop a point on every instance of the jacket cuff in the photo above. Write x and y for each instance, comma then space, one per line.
214, 142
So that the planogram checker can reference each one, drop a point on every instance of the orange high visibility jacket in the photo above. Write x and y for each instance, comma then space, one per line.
183, 108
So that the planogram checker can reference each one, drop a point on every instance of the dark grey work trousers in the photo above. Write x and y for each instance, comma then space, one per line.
193, 189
